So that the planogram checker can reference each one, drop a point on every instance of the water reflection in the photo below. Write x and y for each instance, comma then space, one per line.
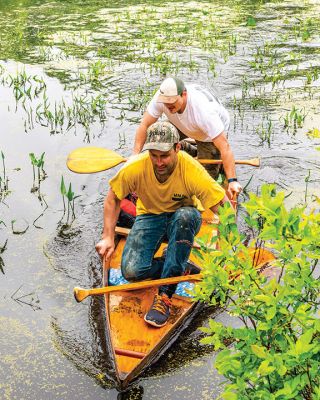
58, 57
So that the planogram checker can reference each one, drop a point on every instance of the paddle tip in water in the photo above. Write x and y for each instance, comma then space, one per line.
79, 294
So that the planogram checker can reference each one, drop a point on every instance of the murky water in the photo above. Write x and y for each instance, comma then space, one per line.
73, 73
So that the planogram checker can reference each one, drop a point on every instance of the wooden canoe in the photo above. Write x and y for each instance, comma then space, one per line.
133, 343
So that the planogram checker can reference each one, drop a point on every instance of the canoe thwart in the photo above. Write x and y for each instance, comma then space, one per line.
129, 353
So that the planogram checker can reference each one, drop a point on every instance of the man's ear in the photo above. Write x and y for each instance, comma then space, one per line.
178, 147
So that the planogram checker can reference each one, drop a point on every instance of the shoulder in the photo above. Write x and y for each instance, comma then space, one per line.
186, 160
136, 161
154, 108
135, 165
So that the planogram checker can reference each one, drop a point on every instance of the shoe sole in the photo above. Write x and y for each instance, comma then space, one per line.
148, 321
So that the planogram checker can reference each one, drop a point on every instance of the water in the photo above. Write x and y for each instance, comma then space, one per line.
94, 67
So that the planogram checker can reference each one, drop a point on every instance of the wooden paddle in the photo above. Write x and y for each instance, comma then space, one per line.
87, 160
80, 294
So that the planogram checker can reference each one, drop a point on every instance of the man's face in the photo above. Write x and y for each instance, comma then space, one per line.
178, 106
164, 162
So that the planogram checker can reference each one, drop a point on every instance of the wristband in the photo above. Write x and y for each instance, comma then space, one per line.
232, 180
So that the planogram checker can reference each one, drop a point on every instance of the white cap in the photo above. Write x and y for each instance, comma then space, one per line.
170, 90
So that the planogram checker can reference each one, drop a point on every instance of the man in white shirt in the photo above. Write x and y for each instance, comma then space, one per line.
199, 115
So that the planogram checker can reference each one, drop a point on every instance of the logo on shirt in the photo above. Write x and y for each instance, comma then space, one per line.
178, 197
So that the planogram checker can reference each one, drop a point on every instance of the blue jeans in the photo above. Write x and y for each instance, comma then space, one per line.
145, 238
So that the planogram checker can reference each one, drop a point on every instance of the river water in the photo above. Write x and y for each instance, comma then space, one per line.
74, 74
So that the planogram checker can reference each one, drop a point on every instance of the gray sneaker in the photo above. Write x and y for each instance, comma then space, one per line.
159, 312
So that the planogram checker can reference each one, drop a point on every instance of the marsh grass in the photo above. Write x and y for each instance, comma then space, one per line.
68, 210
4, 179
2, 250
294, 119
40, 175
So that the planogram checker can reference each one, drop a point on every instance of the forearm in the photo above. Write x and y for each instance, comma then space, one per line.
228, 162
111, 212
140, 138
216, 207
141, 132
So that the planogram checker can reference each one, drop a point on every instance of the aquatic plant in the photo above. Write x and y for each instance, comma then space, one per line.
275, 352
4, 180
41, 174
2, 250
265, 130
69, 195
294, 119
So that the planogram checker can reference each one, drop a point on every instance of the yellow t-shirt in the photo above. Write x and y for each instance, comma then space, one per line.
188, 182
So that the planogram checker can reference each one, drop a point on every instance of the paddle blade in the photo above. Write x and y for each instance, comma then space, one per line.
87, 160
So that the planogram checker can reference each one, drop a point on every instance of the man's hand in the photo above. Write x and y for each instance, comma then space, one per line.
234, 188
105, 247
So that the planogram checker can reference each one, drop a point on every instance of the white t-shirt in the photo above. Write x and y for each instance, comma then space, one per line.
203, 119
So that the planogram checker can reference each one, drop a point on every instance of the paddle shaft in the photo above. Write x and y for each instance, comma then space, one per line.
254, 162
81, 294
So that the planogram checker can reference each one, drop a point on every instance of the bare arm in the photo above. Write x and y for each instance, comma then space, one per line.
105, 247
222, 144
215, 208
141, 132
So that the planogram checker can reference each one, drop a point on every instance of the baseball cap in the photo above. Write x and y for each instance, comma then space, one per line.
170, 89
161, 136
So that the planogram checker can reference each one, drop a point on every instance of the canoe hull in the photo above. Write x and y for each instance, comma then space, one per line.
134, 344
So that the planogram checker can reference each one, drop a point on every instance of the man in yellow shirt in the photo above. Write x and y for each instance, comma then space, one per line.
169, 185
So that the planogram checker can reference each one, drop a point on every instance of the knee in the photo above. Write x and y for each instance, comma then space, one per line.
128, 265
128, 271
187, 216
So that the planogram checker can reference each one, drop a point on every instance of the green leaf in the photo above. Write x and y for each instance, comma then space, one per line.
70, 193
259, 351
63, 189
265, 368
251, 21
230, 396
33, 158
265, 299
271, 312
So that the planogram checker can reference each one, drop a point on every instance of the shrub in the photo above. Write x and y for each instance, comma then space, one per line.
275, 353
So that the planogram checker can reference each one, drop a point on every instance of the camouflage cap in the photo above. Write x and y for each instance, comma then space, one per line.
161, 136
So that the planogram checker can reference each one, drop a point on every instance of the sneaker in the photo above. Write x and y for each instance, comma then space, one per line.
159, 312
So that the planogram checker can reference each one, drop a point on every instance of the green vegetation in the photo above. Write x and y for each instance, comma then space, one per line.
2, 249
276, 352
4, 180
41, 174
70, 197
294, 119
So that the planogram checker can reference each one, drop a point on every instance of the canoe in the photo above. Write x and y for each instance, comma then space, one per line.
134, 344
